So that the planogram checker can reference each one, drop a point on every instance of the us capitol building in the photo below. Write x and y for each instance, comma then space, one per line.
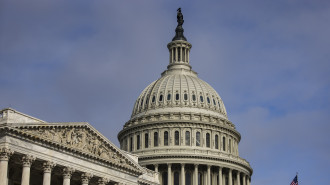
178, 134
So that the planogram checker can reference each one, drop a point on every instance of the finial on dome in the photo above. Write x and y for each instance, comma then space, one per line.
179, 30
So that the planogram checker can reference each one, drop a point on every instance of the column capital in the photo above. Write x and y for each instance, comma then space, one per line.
169, 164
67, 172
27, 160
220, 168
156, 165
86, 177
102, 181
183, 164
196, 165
5, 153
208, 166
48, 166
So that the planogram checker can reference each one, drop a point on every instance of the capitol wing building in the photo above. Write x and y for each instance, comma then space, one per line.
179, 127
178, 134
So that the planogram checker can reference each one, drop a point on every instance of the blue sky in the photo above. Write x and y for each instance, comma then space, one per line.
64, 61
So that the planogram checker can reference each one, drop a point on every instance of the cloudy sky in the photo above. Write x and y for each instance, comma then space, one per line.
81, 60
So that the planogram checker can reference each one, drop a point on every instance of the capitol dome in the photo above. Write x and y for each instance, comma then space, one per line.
179, 90
179, 127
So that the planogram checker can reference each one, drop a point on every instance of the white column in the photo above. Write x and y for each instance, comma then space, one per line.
169, 174
209, 174
181, 54
248, 180
67, 173
102, 181
230, 178
47, 167
223, 179
176, 54
238, 178
183, 177
5, 154
85, 178
27, 161
196, 175
156, 168
188, 56
244, 179
220, 175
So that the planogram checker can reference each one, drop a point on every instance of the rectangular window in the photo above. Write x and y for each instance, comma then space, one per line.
165, 138
187, 138
138, 142
146, 140
177, 138
198, 139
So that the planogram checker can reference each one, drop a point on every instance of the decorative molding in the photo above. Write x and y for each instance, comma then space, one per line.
48, 166
27, 160
5, 153
67, 172
86, 177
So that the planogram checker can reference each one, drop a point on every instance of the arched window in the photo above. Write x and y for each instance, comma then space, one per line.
177, 137
131, 144
224, 144
177, 97
198, 139
176, 178
146, 140
156, 139
188, 178
161, 97
164, 177
153, 99
214, 102
194, 97
138, 142
216, 142
187, 138
208, 140
168, 97
208, 100
165, 138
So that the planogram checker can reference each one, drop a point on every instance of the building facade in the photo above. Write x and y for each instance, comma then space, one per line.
35, 152
179, 127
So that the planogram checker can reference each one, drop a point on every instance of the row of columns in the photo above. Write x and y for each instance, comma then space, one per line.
245, 181
174, 55
27, 160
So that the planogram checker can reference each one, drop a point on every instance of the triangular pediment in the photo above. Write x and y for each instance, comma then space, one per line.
79, 138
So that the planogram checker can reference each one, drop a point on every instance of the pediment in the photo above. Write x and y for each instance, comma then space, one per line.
79, 138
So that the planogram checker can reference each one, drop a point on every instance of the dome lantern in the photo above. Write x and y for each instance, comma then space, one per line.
179, 48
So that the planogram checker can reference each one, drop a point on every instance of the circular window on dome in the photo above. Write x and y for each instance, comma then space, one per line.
177, 96
161, 97
185, 96
194, 97
168, 97
202, 99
